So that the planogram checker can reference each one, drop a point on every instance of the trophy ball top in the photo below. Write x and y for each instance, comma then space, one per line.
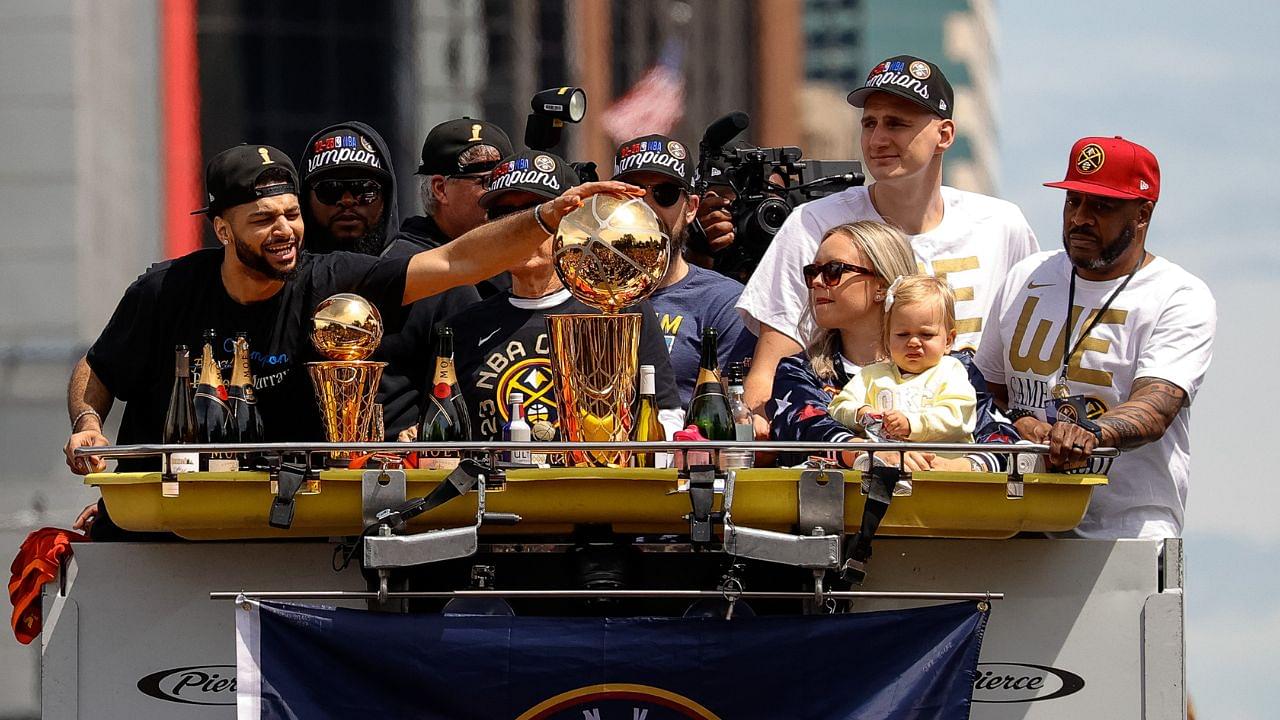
611, 252
346, 327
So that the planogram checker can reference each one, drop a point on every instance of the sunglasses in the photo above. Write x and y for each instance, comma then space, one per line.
331, 192
494, 213
664, 194
832, 272
473, 178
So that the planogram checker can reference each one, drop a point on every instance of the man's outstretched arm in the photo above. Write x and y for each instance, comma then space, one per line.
496, 246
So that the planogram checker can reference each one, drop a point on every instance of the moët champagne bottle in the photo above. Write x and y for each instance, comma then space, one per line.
709, 408
444, 413
246, 421
213, 415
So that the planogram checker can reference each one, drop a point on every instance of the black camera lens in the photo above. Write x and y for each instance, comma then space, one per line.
770, 215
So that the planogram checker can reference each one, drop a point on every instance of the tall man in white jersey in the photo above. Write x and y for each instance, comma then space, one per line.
1126, 333
971, 240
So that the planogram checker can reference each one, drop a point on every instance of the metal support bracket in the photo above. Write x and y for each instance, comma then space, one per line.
813, 552
381, 490
821, 495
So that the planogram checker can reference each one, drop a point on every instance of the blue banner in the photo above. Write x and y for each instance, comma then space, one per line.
303, 662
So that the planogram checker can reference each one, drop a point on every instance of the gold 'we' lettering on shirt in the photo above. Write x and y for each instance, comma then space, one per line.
941, 268
1035, 359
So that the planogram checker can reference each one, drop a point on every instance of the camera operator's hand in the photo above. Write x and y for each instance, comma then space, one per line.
553, 211
714, 214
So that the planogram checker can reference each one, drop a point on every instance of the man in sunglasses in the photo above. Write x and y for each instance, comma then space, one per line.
348, 192
456, 158
970, 240
690, 298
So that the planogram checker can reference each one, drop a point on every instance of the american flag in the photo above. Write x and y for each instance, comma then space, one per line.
655, 104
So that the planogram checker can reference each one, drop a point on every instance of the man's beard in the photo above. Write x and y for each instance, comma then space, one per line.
257, 261
679, 236
1109, 253
370, 243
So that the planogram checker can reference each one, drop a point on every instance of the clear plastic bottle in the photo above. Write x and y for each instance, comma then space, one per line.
743, 429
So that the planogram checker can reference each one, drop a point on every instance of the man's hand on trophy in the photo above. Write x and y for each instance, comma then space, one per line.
551, 212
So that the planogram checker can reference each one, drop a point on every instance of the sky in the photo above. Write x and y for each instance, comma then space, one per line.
1198, 84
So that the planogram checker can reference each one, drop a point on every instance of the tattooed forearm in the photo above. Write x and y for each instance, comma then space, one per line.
1143, 418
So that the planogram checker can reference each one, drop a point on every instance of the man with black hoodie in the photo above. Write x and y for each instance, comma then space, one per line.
348, 193
456, 158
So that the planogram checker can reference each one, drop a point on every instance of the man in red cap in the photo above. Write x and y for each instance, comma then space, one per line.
1103, 344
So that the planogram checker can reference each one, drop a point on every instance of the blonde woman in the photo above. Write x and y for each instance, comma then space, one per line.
848, 281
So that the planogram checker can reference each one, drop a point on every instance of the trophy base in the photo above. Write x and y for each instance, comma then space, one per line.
346, 391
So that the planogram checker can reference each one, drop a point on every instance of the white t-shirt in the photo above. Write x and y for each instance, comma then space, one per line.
1160, 326
974, 246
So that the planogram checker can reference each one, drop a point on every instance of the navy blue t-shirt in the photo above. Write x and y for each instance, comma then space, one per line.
703, 298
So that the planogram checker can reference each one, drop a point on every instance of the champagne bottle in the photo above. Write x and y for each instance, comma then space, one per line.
709, 409
246, 420
180, 422
517, 430
743, 427
444, 414
213, 416
647, 428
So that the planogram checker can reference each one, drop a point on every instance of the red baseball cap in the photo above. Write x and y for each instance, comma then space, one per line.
1112, 167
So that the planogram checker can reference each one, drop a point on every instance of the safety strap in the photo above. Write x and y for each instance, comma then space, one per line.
857, 548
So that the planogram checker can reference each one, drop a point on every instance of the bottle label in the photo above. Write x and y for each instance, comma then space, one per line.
223, 464
707, 375
184, 462
444, 371
433, 460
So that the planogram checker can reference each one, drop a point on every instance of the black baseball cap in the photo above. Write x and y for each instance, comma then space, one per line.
910, 77
343, 147
448, 140
657, 154
232, 174
531, 171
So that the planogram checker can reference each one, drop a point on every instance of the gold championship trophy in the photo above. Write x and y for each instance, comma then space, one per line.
346, 328
610, 253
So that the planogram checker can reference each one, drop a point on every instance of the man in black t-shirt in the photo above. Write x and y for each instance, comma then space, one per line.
261, 283
501, 345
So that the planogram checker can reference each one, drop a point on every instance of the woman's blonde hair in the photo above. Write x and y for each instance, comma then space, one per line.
919, 290
891, 257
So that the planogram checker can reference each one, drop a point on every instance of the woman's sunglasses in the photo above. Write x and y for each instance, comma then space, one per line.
832, 272
664, 194
331, 192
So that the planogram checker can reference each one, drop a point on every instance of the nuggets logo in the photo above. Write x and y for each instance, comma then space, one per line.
920, 70
531, 377
1090, 159
364, 143
621, 701
544, 163
676, 150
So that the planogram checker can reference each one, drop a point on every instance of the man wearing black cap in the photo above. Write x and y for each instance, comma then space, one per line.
971, 240
456, 159
259, 282
348, 192
500, 343
690, 298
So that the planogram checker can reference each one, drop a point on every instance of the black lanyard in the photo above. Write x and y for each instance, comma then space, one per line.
1071, 302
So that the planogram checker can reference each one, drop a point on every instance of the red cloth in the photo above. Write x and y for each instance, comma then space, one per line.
37, 563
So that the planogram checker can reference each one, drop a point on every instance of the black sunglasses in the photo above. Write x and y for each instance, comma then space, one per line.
665, 194
499, 211
832, 272
331, 192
